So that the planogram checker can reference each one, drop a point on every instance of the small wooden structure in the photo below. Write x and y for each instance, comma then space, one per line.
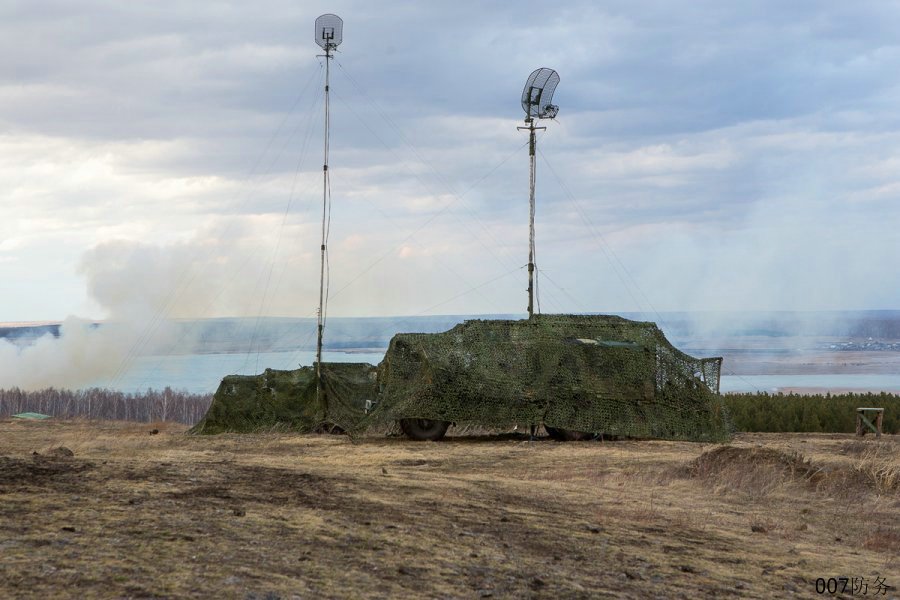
864, 419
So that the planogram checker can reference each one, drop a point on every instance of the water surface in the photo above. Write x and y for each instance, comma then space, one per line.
201, 373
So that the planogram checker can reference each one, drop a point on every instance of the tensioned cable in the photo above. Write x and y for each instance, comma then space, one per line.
268, 278
422, 225
454, 197
305, 145
327, 253
284, 218
457, 197
444, 209
458, 295
187, 274
562, 289
607, 250
272, 164
473, 288
470, 290
441, 179
428, 221
605, 246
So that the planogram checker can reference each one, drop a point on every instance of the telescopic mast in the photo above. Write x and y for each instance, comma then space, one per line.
536, 99
329, 34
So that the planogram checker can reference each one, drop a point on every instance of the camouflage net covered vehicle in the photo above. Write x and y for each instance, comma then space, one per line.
286, 400
579, 375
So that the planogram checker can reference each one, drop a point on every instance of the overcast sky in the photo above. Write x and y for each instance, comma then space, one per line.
165, 157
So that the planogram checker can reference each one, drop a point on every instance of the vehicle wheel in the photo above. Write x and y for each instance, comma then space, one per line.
567, 435
424, 429
330, 428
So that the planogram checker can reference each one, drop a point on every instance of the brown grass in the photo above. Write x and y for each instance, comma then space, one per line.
133, 514
755, 472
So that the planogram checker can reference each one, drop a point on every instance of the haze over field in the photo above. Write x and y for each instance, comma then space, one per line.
163, 161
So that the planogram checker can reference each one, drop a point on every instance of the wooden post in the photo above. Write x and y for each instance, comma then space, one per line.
863, 422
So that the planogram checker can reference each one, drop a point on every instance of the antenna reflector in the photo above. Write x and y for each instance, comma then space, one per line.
329, 31
538, 93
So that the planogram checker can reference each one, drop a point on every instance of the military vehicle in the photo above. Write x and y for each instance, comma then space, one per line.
581, 376
578, 375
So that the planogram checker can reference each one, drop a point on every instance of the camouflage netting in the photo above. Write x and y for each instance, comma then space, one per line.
286, 400
599, 374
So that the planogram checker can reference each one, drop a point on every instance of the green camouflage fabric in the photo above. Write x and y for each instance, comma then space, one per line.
589, 373
286, 400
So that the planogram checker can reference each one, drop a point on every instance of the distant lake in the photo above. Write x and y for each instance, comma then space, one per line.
201, 373
770, 383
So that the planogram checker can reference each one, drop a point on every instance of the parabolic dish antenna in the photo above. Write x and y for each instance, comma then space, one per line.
329, 31
538, 93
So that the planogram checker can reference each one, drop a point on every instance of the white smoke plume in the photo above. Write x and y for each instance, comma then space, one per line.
81, 355
131, 289
135, 287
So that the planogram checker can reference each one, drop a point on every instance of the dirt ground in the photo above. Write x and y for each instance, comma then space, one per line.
133, 514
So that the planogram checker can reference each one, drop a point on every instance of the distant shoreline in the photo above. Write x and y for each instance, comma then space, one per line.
815, 391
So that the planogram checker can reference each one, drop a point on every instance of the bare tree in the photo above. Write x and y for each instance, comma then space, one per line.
98, 403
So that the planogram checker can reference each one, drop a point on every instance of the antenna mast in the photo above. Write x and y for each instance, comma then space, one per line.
536, 103
329, 34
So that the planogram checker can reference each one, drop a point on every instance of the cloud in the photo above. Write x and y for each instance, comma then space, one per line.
732, 155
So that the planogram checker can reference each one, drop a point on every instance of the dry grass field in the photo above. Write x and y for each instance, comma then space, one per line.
132, 514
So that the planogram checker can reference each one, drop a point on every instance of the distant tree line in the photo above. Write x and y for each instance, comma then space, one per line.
96, 403
829, 413
756, 412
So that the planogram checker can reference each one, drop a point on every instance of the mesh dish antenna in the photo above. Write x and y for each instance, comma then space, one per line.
538, 93
329, 31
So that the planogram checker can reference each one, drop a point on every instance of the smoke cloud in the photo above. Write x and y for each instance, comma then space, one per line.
82, 354
140, 290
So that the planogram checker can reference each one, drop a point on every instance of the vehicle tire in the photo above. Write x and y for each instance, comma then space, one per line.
424, 429
330, 428
567, 435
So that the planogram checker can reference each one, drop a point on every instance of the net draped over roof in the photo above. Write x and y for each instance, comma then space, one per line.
286, 400
598, 374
